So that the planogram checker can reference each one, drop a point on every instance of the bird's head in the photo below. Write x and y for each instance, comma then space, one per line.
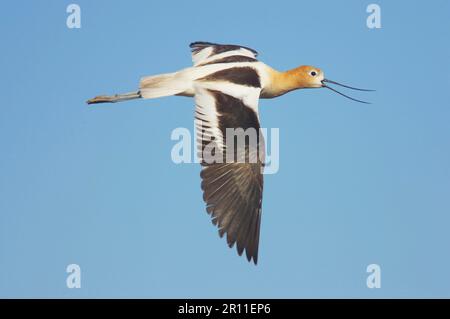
310, 77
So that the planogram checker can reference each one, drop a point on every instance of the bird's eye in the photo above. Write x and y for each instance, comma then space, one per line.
313, 73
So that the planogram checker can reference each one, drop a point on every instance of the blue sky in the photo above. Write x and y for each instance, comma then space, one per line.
358, 184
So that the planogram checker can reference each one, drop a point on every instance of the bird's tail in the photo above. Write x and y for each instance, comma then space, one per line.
115, 98
163, 85
150, 87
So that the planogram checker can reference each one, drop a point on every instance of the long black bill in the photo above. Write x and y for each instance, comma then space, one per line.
346, 86
348, 97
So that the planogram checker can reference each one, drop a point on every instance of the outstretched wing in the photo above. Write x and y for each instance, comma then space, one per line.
232, 180
206, 52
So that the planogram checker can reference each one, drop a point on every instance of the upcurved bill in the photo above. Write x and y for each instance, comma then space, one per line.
346, 86
348, 97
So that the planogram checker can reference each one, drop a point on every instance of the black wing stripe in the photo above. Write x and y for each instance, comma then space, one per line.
247, 76
230, 59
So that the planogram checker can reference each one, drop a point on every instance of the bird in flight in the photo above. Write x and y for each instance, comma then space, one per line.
227, 82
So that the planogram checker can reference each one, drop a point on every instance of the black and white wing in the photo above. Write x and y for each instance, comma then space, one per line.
207, 53
232, 180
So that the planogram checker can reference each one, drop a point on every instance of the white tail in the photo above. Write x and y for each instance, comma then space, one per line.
150, 87
162, 85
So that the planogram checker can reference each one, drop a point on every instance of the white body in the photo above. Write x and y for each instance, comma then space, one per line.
183, 81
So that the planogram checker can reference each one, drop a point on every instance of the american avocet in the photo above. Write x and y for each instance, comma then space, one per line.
226, 82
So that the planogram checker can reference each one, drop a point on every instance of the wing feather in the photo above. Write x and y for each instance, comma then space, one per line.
232, 190
206, 52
